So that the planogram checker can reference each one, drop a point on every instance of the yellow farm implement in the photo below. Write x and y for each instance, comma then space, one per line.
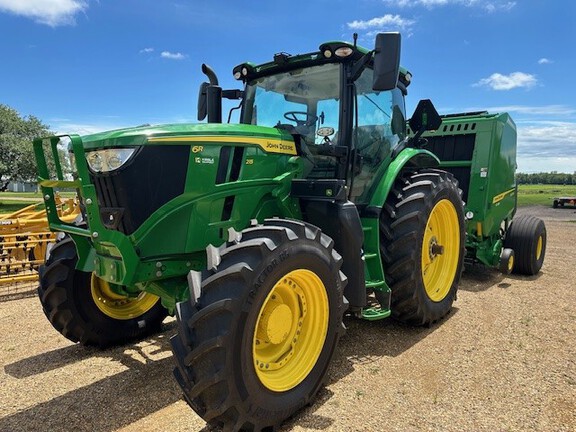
24, 239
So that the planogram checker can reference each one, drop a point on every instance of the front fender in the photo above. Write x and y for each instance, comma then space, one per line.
409, 157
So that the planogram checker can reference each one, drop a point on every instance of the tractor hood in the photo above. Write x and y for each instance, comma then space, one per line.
270, 140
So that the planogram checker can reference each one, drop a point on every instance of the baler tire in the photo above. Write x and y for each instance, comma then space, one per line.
234, 330
422, 206
67, 301
526, 235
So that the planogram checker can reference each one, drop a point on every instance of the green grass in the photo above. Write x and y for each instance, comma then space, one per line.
9, 204
12, 206
543, 194
20, 195
31, 195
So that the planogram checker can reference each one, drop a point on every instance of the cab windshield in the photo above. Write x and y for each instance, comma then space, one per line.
304, 99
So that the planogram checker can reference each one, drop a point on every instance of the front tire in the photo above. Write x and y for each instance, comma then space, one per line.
422, 245
255, 346
84, 309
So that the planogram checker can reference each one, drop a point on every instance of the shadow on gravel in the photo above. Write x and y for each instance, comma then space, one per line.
61, 357
479, 278
367, 341
146, 386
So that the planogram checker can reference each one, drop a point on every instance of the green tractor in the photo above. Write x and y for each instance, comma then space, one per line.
260, 236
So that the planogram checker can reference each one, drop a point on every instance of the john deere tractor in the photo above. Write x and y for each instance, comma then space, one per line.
260, 236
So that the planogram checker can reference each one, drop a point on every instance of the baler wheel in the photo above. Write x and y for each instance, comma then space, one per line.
506, 264
254, 347
84, 309
527, 237
422, 237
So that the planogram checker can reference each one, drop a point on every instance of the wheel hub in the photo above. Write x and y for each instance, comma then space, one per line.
117, 306
435, 249
290, 330
275, 323
440, 250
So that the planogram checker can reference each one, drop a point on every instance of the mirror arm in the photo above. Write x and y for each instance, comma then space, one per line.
360, 65
417, 135
233, 94
408, 142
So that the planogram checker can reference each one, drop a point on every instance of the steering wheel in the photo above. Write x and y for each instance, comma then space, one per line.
309, 120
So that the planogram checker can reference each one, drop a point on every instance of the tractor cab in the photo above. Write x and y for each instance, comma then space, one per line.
344, 106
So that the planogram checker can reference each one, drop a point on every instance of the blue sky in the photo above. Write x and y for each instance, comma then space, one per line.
85, 65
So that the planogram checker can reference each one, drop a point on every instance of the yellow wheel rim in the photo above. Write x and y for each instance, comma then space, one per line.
117, 306
291, 330
510, 263
440, 250
539, 247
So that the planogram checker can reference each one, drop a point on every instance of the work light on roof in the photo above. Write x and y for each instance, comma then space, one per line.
343, 51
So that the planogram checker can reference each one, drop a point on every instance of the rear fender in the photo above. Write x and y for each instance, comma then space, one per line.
408, 158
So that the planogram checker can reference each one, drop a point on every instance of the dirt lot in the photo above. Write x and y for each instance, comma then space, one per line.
504, 359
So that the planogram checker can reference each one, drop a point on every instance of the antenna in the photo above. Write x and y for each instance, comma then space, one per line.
355, 37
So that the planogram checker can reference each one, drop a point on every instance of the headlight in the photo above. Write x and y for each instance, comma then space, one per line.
109, 159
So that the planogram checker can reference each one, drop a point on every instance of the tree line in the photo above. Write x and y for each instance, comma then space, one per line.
17, 161
546, 178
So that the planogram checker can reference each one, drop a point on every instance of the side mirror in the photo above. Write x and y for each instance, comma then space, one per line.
386, 61
202, 97
425, 117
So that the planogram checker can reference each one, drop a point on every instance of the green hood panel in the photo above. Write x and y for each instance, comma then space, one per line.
141, 135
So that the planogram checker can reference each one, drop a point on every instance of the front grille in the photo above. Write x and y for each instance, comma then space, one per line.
129, 195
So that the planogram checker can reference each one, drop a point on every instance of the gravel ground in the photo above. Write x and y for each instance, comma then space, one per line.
503, 360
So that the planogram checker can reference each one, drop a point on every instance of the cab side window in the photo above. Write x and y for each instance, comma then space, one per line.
380, 126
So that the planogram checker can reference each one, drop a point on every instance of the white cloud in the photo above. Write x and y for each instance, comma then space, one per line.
84, 128
498, 81
546, 146
496, 6
388, 21
550, 110
544, 60
559, 137
53, 13
172, 56
488, 5
546, 164
146, 50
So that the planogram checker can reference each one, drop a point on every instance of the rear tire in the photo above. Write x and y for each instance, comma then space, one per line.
422, 245
255, 346
527, 237
69, 300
